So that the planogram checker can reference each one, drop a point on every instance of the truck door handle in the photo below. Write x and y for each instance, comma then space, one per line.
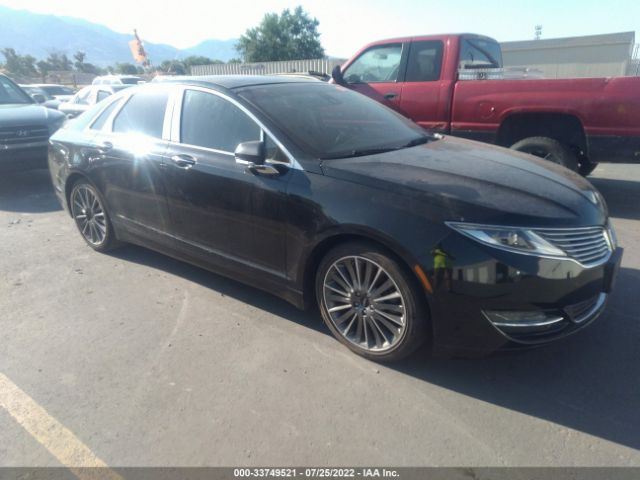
390, 95
183, 161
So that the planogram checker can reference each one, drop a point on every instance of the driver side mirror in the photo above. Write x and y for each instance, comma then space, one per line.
39, 98
336, 74
252, 156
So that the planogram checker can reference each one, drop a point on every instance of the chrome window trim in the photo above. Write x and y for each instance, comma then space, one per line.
126, 96
174, 136
95, 118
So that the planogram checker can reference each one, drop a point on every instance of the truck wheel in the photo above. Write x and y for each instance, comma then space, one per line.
548, 149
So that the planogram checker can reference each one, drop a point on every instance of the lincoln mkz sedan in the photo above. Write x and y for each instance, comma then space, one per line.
318, 194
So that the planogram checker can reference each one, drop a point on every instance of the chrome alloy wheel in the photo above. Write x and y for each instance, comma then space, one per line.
89, 215
364, 303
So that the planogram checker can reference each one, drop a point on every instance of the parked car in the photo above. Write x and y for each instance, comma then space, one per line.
117, 80
25, 127
318, 194
88, 97
58, 92
40, 96
443, 83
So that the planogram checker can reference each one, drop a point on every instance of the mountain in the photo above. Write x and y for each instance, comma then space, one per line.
38, 35
221, 49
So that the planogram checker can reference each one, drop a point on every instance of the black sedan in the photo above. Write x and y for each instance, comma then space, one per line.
25, 128
321, 195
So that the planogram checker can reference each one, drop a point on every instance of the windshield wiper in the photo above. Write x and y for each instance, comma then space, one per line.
358, 153
373, 151
416, 141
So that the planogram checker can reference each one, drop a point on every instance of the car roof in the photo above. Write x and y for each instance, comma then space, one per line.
235, 81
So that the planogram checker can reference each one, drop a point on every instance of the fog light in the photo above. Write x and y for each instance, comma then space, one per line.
514, 319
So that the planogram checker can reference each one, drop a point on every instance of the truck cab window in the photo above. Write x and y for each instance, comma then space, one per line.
378, 64
425, 61
479, 53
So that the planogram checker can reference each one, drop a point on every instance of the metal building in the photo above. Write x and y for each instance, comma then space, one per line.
588, 56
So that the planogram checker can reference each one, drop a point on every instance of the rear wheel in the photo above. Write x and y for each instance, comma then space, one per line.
370, 302
91, 217
548, 149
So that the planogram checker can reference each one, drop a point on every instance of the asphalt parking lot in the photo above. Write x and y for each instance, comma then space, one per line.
135, 359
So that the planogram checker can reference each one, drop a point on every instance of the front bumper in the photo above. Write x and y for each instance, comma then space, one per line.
480, 280
21, 157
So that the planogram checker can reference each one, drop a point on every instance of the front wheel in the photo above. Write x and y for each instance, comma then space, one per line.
370, 302
548, 149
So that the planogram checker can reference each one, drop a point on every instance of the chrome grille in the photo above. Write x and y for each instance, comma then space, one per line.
26, 134
587, 245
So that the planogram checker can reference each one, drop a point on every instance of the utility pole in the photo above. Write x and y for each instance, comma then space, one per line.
538, 33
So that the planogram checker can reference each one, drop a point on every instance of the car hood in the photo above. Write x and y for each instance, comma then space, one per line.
463, 180
26, 114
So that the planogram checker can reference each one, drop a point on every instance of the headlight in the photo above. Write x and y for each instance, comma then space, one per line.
513, 239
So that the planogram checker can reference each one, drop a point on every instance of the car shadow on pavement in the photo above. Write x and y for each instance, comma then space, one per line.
622, 196
223, 285
27, 192
588, 382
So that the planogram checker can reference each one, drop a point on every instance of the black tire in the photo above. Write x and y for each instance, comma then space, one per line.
375, 319
548, 149
100, 217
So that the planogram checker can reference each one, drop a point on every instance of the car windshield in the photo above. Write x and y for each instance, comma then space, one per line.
57, 90
330, 121
11, 93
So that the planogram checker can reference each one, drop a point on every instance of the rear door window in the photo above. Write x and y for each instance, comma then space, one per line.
143, 114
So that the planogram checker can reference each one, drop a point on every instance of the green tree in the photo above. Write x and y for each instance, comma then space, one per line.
79, 57
19, 65
59, 61
192, 60
175, 67
43, 68
288, 36
82, 66
125, 68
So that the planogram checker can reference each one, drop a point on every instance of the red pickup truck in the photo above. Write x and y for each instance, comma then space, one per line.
455, 84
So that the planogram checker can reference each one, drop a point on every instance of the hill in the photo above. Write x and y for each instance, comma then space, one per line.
38, 35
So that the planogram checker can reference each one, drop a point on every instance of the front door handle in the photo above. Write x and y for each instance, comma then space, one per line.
183, 161
390, 95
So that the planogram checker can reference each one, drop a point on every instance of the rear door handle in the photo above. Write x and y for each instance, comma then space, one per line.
183, 161
390, 95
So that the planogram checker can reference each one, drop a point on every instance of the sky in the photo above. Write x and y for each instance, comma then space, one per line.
346, 25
